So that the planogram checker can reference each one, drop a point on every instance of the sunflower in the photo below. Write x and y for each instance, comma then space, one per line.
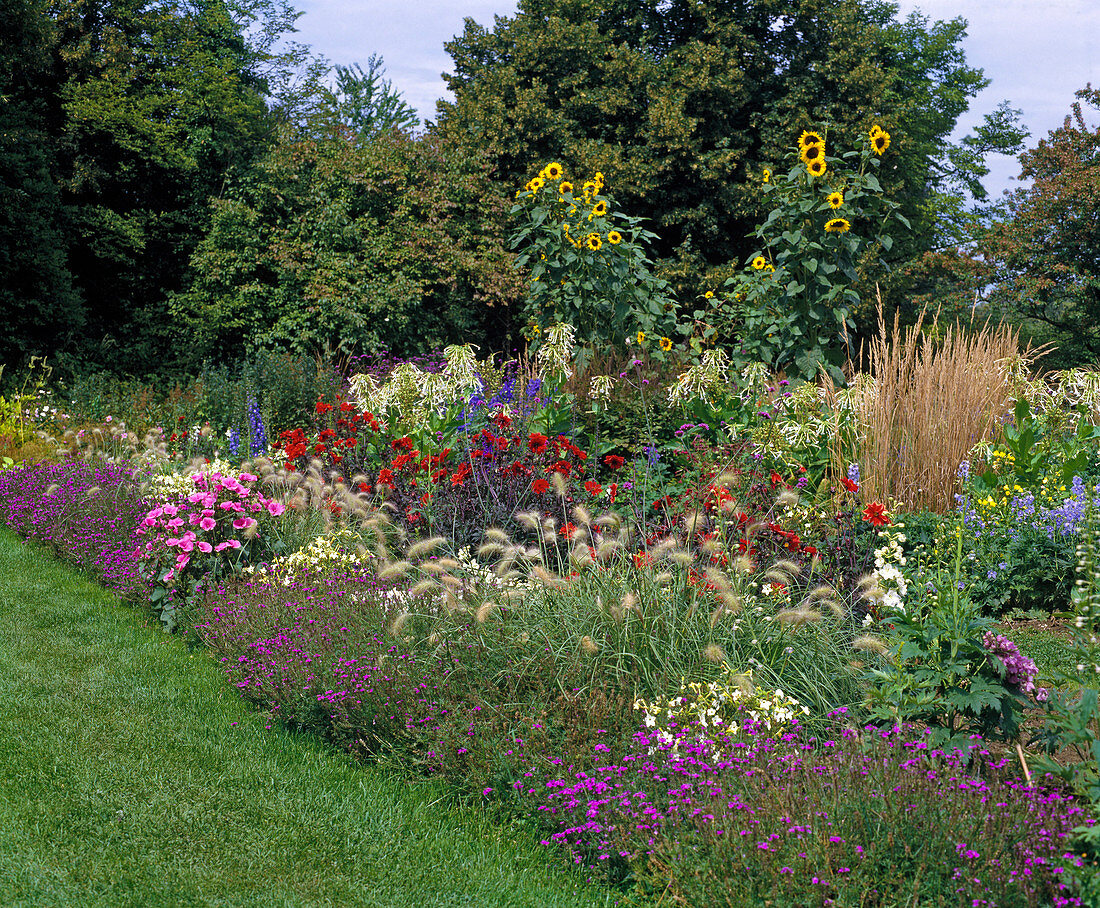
837, 225
767, 175
666, 344
590, 187
600, 209
835, 199
811, 153
709, 295
565, 188
875, 130
593, 241
810, 137
816, 168
614, 237
537, 183
880, 142
640, 338
759, 262
552, 171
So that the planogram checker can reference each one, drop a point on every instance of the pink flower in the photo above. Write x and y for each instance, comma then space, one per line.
247, 477
275, 508
182, 561
228, 544
186, 545
207, 523
204, 546
243, 523
230, 506
175, 523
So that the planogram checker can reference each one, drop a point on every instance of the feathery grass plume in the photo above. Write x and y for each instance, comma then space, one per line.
607, 549
717, 579
426, 585
694, 522
495, 535
51, 490
453, 582
787, 566
581, 515
549, 529
629, 603
447, 563
796, 617
398, 624
664, 548
609, 521
485, 611
424, 547
868, 644
935, 394
251, 531
549, 580
394, 569
712, 652
532, 520
870, 589
579, 555
680, 557
786, 499
523, 638
742, 564
561, 487
589, 645
431, 567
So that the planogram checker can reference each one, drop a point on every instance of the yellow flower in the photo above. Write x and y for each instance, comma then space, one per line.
816, 168
880, 142
599, 209
666, 344
590, 188
767, 175
811, 153
770, 268
537, 183
552, 171
875, 130
837, 225
566, 187
759, 262
614, 237
594, 241
529, 186
709, 295
809, 138
641, 338
835, 199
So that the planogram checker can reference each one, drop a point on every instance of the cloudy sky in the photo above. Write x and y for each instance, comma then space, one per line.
1037, 52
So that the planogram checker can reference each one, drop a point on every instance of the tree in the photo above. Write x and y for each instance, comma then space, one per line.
37, 297
1047, 246
365, 101
343, 245
682, 103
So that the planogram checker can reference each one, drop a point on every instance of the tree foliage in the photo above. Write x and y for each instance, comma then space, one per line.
682, 102
1046, 249
342, 245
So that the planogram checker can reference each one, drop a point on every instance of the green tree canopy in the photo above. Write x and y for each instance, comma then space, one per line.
1046, 249
345, 245
682, 103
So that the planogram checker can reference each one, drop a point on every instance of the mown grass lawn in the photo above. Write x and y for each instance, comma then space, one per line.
131, 773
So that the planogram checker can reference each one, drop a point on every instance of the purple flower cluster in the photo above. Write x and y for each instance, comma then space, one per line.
782, 810
86, 513
1020, 671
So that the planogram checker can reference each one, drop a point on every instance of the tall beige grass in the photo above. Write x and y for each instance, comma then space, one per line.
930, 396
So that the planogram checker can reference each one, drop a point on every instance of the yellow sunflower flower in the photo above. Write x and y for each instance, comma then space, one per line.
759, 262
593, 241
600, 209
566, 188
709, 295
767, 175
835, 199
816, 168
614, 237
809, 138
640, 338
590, 188
880, 142
770, 268
811, 153
666, 344
837, 225
552, 171
537, 183
875, 130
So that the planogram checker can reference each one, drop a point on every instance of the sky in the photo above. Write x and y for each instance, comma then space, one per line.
1036, 52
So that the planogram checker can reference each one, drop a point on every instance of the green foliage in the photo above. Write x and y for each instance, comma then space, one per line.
587, 262
365, 102
941, 673
330, 245
798, 290
1045, 243
1072, 719
678, 103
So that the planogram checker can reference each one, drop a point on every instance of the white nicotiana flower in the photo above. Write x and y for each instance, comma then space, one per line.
600, 387
461, 367
555, 356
